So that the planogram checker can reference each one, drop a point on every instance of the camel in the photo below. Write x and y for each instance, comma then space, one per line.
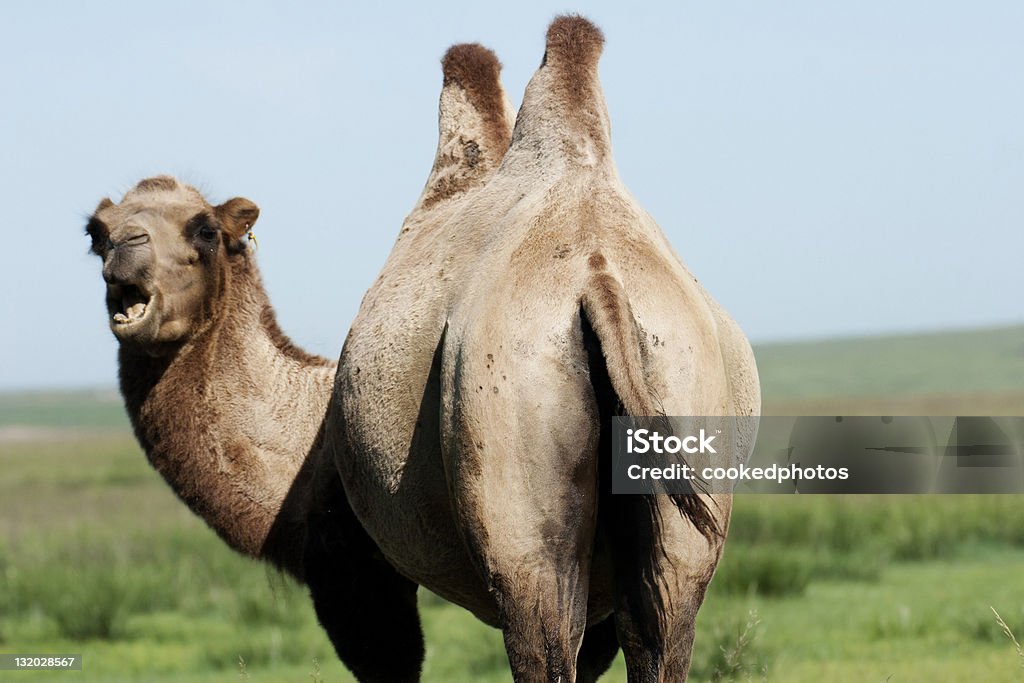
231, 412
518, 312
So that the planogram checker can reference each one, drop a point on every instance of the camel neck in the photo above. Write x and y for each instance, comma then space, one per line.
232, 420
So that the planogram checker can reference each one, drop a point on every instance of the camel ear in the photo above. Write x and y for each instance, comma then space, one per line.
237, 216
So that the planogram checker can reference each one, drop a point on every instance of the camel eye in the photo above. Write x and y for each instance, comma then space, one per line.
207, 233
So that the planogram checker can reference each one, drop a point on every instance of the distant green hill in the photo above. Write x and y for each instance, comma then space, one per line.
974, 362
100, 408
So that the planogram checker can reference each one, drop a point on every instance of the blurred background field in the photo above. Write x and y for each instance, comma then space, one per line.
97, 556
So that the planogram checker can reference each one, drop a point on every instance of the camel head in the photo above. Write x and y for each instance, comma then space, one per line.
166, 259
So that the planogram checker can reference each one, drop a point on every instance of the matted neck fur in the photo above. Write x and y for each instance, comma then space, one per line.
225, 406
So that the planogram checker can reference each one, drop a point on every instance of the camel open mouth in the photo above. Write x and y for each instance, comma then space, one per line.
128, 304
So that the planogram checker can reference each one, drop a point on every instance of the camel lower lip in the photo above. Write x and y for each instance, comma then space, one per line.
135, 313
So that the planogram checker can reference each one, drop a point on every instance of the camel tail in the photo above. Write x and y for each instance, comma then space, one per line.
616, 351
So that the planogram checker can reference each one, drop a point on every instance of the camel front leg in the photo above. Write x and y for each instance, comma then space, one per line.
369, 612
368, 609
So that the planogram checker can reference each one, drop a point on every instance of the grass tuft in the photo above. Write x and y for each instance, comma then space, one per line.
733, 652
1009, 634
314, 675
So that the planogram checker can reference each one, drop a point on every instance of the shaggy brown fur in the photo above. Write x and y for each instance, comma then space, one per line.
195, 379
230, 412
574, 46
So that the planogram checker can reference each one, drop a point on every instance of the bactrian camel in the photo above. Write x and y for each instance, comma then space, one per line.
527, 300
231, 413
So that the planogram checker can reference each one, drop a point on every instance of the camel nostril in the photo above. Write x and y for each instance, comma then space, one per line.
129, 261
120, 272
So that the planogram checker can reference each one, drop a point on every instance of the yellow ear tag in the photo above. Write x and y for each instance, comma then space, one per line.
252, 238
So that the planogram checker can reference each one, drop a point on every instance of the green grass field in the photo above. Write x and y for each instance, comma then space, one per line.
98, 557
913, 365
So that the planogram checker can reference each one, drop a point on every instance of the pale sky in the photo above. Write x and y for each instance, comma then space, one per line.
824, 168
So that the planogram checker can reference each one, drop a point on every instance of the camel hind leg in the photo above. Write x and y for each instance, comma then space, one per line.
661, 563
534, 554
662, 568
525, 490
542, 623
600, 645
